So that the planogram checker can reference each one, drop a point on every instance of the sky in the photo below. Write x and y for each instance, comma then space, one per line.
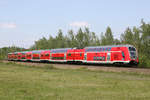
24, 21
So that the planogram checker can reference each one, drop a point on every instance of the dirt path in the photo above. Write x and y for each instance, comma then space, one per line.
90, 67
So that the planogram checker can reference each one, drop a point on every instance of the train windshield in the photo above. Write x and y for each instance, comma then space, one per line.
132, 49
133, 54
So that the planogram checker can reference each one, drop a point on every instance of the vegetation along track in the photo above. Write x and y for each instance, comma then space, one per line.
108, 68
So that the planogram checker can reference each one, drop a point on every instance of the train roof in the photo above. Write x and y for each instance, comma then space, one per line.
60, 50
109, 46
37, 51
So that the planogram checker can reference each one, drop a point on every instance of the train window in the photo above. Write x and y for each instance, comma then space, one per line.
132, 49
69, 54
47, 54
103, 49
57, 58
94, 58
36, 57
85, 57
97, 49
100, 49
108, 56
97, 58
109, 49
103, 58
123, 55
80, 54
28, 55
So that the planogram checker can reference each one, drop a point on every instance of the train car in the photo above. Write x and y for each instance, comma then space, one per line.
28, 55
36, 54
23, 56
75, 55
15, 57
115, 54
45, 55
59, 55
19, 56
10, 56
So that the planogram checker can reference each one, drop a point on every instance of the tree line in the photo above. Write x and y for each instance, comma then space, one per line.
5, 50
136, 36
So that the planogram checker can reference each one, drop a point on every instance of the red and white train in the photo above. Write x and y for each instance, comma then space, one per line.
114, 54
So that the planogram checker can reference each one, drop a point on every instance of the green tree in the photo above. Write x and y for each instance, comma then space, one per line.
5, 50
71, 39
145, 44
136, 38
41, 44
127, 37
117, 41
107, 38
51, 42
60, 40
80, 38
103, 39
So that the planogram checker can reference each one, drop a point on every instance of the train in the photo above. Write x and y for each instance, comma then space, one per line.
110, 54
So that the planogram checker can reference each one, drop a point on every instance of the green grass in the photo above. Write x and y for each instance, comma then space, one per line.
19, 82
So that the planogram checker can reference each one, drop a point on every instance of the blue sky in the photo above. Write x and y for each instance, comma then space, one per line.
24, 21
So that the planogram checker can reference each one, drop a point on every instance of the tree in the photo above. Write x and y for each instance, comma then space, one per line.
80, 38
71, 39
103, 39
5, 50
41, 44
127, 37
51, 42
88, 37
117, 41
145, 39
136, 38
60, 40
107, 38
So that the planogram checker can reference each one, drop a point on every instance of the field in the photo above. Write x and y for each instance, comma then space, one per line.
23, 82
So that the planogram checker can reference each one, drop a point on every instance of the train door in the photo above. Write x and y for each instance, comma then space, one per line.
108, 56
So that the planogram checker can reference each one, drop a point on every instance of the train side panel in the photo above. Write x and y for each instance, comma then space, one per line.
75, 55
28, 56
10, 56
59, 55
23, 56
36, 55
45, 55
19, 56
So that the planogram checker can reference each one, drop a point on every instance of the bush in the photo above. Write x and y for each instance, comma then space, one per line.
144, 61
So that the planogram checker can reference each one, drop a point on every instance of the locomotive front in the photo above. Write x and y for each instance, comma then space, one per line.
133, 55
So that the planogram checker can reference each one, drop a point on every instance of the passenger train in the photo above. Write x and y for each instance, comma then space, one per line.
113, 54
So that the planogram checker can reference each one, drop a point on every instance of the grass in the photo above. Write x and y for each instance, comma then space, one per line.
20, 82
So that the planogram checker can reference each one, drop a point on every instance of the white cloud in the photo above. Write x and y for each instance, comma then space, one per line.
8, 25
79, 24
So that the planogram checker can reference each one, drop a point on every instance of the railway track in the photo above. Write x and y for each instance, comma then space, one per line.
107, 68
